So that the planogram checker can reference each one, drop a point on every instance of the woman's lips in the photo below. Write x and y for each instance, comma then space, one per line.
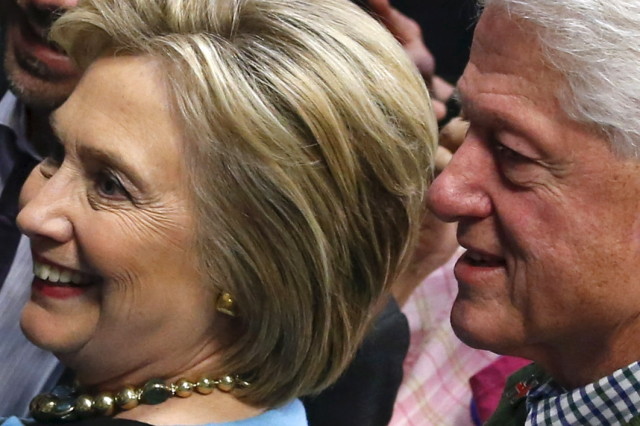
57, 291
58, 282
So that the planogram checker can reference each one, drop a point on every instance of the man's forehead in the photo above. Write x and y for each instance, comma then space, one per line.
506, 59
501, 36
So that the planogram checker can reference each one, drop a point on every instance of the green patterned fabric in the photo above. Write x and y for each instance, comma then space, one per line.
512, 410
607, 401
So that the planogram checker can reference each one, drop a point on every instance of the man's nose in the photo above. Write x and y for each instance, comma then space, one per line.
460, 190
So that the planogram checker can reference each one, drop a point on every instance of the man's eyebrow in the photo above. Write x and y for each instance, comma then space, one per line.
469, 110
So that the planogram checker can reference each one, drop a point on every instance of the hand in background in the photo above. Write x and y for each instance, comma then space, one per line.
450, 138
437, 241
408, 33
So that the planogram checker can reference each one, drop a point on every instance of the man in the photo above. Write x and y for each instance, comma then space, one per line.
3, 79
546, 192
40, 78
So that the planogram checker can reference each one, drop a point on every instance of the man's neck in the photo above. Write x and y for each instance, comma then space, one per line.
586, 362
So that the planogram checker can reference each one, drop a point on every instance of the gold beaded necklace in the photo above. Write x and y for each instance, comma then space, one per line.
69, 403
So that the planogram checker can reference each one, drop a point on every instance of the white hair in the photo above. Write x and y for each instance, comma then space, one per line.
595, 44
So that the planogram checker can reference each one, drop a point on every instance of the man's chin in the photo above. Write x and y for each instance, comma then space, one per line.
483, 330
34, 91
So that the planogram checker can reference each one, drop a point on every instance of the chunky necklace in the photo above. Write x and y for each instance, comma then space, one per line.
69, 403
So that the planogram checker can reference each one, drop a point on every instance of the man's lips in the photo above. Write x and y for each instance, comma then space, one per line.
477, 266
482, 259
35, 52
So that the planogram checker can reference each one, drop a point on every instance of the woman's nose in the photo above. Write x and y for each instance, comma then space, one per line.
460, 190
45, 207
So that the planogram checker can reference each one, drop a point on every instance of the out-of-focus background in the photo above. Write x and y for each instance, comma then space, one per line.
3, 80
447, 29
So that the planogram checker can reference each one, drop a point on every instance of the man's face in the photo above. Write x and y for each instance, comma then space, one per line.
547, 212
38, 73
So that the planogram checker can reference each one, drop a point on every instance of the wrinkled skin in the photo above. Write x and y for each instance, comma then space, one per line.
548, 214
115, 206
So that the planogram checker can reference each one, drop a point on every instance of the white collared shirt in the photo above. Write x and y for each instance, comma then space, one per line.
25, 370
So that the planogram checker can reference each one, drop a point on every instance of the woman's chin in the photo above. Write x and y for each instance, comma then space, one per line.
58, 333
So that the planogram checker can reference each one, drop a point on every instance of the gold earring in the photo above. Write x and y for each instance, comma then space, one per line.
226, 304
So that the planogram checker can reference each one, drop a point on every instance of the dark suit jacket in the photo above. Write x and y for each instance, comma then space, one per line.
3, 79
366, 392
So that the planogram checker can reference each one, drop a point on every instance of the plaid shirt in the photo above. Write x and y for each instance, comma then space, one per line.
435, 389
612, 400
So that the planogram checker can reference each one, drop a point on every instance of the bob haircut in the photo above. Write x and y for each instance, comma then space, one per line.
309, 139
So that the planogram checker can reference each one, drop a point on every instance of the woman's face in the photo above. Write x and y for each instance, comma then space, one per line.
110, 211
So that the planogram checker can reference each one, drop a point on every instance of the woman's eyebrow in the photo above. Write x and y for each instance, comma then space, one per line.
111, 159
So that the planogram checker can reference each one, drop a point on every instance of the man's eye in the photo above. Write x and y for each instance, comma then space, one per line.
505, 153
109, 186
516, 168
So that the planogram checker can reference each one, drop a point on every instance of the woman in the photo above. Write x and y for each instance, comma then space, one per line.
236, 185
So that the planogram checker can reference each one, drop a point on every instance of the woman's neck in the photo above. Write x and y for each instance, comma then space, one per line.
216, 407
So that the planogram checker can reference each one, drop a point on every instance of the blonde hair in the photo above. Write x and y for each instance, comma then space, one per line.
309, 137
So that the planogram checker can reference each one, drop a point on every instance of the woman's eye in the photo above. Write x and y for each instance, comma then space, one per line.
48, 167
109, 186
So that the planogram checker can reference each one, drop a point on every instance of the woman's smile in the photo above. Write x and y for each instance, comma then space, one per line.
59, 282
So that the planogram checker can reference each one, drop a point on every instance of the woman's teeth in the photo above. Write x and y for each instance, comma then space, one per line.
57, 274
